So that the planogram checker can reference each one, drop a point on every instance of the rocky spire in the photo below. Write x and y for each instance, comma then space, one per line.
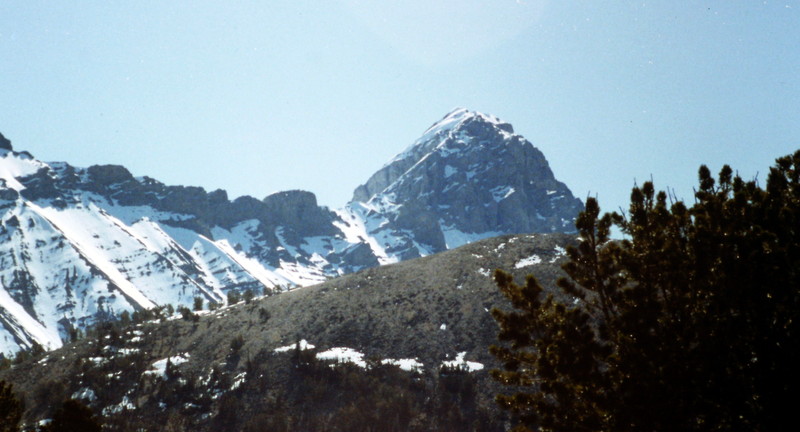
5, 144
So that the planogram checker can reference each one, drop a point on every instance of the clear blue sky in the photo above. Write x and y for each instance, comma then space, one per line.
256, 97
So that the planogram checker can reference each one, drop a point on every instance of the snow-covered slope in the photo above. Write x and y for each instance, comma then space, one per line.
78, 246
75, 257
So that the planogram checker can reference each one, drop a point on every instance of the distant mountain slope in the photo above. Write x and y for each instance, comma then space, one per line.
420, 314
83, 245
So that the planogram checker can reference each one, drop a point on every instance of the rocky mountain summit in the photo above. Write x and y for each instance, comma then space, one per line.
82, 245
468, 177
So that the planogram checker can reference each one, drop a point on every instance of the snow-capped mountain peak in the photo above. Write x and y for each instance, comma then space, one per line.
82, 245
457, 120
459, 117
468, 177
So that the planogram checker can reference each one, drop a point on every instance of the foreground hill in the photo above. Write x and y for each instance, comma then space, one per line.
413, 338
79, 246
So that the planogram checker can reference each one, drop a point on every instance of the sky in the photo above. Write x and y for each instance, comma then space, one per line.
258, 97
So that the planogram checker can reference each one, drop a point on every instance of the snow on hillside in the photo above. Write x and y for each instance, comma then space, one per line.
14, 165
64, 267
361, 224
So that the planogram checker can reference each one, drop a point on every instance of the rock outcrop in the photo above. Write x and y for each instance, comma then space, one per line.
5, 144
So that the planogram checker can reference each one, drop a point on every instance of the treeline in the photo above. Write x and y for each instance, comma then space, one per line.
271, 391
297, 392
71, 416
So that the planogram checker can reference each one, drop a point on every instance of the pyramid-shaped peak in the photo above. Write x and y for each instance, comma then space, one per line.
468, 177
459, 128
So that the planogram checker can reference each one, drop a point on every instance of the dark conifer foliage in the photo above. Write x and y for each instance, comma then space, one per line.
73, 416
688, 323
11, 407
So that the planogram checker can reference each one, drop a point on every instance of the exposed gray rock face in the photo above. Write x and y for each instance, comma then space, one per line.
107, 175
299, 211
469, 176
5, 144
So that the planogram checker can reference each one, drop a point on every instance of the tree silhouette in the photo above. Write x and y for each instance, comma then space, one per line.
73, 416
688, 323
11, 408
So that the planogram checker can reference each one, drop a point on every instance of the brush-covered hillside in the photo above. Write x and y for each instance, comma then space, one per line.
396, 347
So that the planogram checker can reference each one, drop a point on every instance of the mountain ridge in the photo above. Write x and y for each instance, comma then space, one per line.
82, 245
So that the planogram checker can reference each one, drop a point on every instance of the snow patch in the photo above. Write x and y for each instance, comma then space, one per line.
72, 223
128, 351
559, 252
125, 405
12, 166
160, 366
500, 193
238, 380
454, 237
253, 267
410, 365
343, 355
460, 363
303, 345
527, 262
360, 225
24, 324
85, 393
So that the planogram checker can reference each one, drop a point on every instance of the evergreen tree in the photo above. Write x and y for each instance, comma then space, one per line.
248, 296
688, 323
233, 297
73, 416
10, 408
